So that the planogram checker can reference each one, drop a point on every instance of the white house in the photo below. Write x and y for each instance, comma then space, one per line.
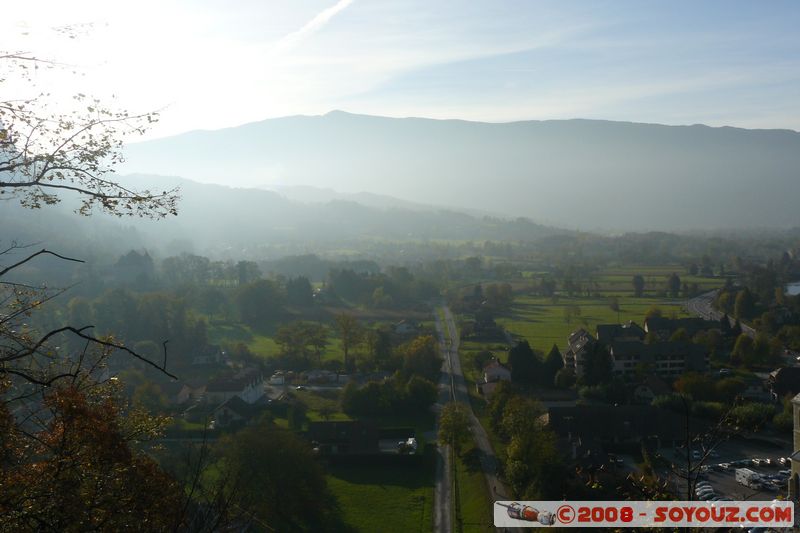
247, 384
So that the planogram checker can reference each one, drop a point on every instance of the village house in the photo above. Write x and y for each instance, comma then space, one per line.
233, 412
404, 327
247, 384
181, 393
493, 373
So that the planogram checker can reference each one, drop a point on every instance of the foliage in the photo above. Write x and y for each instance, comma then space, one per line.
674, 285
553, 364
300, 340
80, 470
421, 357
279, 480
389, 397
565, 378
454, 425
350, 332
45, 153
597, 367
526, 367
752, 416
638, 285
533, 464
260, 303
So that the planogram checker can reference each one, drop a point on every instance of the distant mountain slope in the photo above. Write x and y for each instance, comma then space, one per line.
575, 173
239, 222
226, 222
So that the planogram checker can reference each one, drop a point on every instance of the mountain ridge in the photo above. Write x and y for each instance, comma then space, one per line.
575, 173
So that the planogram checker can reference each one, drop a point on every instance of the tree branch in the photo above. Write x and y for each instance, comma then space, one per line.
32, 256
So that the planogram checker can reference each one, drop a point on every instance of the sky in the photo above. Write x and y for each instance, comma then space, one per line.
208, 64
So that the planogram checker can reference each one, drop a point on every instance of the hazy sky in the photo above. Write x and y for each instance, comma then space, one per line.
212, 63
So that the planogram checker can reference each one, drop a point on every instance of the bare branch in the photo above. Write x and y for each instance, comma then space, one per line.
40, 252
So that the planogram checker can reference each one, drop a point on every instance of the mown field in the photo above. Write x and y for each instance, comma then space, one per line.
386, 497
546, 321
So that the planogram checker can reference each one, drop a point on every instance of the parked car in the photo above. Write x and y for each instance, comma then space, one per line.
725, 466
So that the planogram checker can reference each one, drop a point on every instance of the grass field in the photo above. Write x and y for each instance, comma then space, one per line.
262, 345
474, 496
393, 497
543, 323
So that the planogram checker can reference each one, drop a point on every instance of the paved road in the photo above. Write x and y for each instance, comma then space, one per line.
489, 463
442, 493
702, 306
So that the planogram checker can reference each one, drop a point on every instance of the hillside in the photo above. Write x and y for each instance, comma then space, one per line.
583, 174
224, 221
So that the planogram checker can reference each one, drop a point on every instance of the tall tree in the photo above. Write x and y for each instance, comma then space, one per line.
82, 471
552, 364
745, 304
674, 285
280, 481
350, 334
260, 303
525, 365
638, 285
454, 425
597, 366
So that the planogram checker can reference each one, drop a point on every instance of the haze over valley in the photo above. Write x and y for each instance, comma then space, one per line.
355, 266
576, 174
